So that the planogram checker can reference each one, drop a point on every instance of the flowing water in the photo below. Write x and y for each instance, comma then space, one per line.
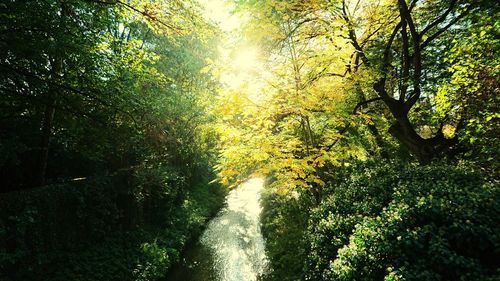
232, 246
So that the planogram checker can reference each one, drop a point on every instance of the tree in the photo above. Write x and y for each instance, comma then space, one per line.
301, 119
396, 46
392, 57
86, 86
343, 73
469, 97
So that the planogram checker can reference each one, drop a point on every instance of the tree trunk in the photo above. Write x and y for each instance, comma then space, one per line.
50, 108
47, 123
423, 149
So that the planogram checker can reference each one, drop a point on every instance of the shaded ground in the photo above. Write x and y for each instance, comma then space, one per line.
196, 265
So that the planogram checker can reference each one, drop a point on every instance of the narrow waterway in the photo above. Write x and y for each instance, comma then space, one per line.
232, 246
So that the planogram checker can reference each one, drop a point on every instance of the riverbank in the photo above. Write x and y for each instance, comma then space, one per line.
123, 227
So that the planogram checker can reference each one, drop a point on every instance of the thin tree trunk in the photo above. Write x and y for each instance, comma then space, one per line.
50, 108
47, 125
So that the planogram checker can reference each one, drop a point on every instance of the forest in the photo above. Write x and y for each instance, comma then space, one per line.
245, 140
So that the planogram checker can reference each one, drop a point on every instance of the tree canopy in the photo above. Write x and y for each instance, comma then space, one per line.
374, 123
356, 79
94, 86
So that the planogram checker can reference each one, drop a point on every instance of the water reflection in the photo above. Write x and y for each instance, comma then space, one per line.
234, 236
232, 246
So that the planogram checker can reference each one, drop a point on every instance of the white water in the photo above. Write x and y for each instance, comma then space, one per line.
234, 236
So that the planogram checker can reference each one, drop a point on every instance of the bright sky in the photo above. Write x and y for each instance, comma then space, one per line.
219, 11
240, 60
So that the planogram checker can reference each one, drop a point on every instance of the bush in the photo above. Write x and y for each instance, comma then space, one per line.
393, 221
347, 201
130, 226
284, 224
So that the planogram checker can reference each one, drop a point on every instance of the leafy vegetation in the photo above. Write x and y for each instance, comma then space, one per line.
361, 79
95, 87
370, 112
121, 227
376, 122
387, 221
104, 137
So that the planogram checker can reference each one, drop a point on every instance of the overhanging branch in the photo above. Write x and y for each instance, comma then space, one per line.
440, 19
444, 28
145, 13
362, 103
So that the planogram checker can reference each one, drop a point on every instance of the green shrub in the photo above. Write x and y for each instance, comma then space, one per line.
348, 200
155, 264
403, 222
130, 226
284, 224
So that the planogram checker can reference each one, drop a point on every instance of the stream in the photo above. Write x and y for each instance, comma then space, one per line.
232, 246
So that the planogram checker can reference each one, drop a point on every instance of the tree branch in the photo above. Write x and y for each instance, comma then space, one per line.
352, 35
405, 62
362, 103
440, 18
384, 24
144, 13
379, 86
444, 28
417, 59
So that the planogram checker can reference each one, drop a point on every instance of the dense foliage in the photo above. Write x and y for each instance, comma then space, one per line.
129, 226
104, 137
91, 87
410, 89
377, 121
388, 221
349, 79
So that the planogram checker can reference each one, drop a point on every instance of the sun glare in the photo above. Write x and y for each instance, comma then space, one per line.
219, 11
241, 62
245, 59
242, 67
